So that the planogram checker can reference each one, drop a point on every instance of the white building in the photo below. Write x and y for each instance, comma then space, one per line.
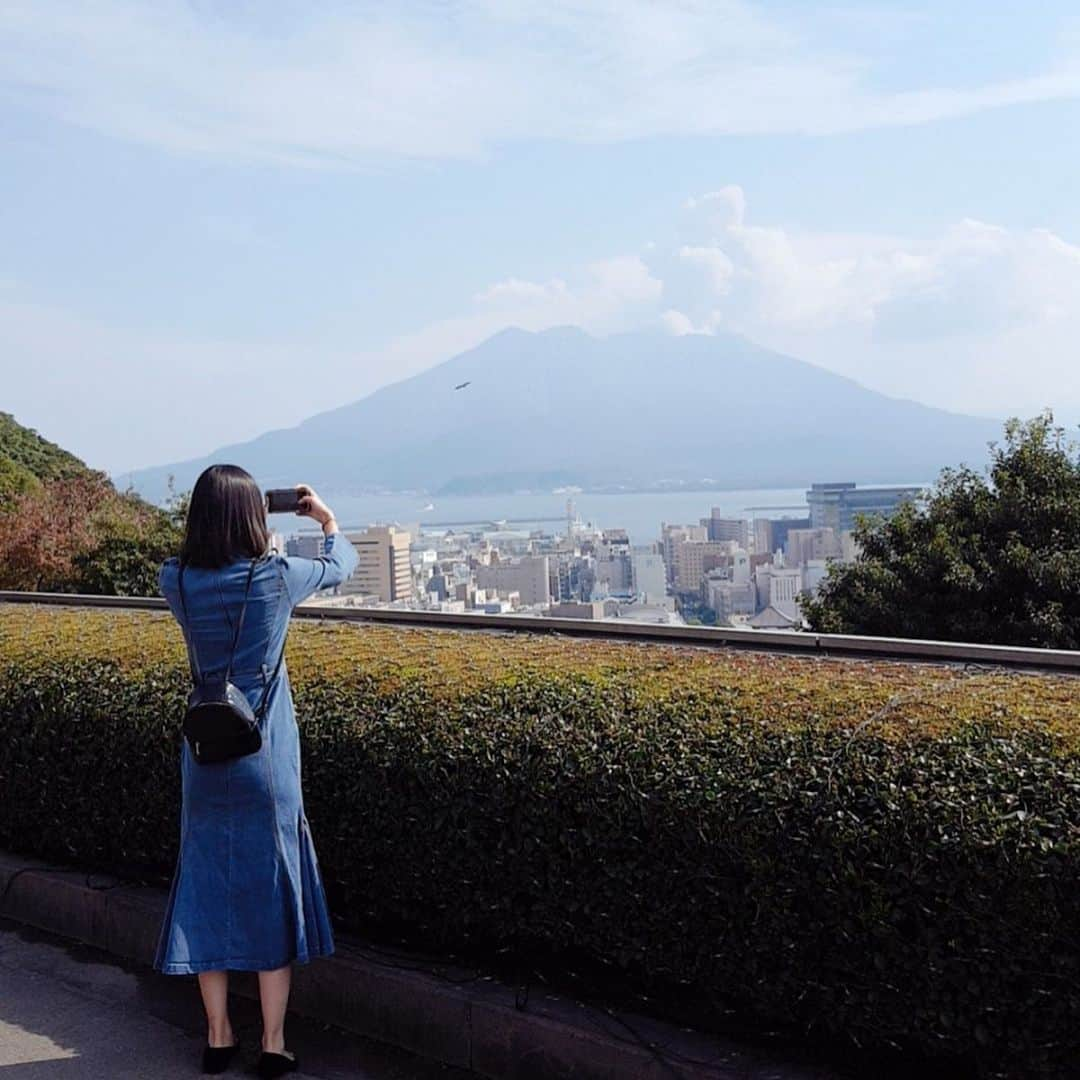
648, 574
730, 599
383, 568
777, 586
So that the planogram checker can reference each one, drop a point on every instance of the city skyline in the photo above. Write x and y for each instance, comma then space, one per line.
736, 571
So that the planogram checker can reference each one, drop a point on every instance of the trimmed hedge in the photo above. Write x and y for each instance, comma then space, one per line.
885, 853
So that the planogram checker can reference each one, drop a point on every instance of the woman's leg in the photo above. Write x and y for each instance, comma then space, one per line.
214, 987
274, 998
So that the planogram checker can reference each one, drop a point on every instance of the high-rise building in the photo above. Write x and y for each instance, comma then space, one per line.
673, 534
763, 536
648, 574
694, 558
834, 506
727, 528
383, 568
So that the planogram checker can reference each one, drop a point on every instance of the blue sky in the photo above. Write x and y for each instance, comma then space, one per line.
288, 205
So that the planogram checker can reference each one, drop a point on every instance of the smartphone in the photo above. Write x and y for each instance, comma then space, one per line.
283, 500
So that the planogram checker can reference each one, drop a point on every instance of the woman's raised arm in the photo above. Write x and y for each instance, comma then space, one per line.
338, 560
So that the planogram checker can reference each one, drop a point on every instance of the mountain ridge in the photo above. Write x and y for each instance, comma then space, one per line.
630, 411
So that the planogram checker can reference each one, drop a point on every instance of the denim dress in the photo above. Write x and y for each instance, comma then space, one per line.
246, 894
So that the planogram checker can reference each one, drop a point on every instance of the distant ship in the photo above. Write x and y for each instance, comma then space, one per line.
430, 506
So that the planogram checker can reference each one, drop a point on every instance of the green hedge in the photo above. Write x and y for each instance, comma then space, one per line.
889, 854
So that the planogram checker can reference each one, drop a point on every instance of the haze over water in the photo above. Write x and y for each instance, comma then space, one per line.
640, 513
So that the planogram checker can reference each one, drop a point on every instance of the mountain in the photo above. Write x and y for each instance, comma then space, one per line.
634, 410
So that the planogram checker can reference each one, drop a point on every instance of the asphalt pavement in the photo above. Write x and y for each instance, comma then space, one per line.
69, 1011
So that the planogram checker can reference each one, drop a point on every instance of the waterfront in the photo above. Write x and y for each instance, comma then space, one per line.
640, 513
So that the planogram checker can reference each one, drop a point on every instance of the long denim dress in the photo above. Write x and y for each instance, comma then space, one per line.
247, 894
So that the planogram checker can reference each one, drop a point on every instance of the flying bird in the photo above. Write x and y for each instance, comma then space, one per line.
461, 386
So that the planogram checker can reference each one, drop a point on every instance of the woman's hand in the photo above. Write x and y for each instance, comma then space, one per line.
312, 506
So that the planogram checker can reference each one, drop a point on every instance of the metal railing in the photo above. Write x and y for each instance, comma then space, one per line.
784, 641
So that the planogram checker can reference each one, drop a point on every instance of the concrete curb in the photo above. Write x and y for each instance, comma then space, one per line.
434, 1011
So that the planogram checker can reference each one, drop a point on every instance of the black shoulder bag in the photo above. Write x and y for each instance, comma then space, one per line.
219, 723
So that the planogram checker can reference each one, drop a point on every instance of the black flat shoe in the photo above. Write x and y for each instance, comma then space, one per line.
271, 1065
215, 1059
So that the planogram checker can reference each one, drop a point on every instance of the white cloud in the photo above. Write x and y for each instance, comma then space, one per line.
608, 295
723, 207
336, 86
676, 323
976, 318
719, 268
514, 290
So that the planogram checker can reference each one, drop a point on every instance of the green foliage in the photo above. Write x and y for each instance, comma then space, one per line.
992, 558
884, 854
26, 448
15, 480
130, 544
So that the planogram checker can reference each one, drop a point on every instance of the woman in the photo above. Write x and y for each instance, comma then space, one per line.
247, 894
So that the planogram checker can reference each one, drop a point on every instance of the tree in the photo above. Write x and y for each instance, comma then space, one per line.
78, 534
132, 539
42, 530
988, 558
15, 479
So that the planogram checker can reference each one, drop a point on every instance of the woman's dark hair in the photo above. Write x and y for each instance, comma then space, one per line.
226, 519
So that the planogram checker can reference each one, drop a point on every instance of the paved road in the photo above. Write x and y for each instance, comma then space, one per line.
70, 1011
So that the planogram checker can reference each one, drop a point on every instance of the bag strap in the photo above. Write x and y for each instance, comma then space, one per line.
192, 659
264, 700
239, 621
196, 674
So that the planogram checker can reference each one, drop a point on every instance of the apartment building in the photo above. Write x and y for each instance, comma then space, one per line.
719, 527
694, 558
383, 568
674, 534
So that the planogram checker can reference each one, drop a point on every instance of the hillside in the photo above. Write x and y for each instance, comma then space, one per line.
26, 459
632, 411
